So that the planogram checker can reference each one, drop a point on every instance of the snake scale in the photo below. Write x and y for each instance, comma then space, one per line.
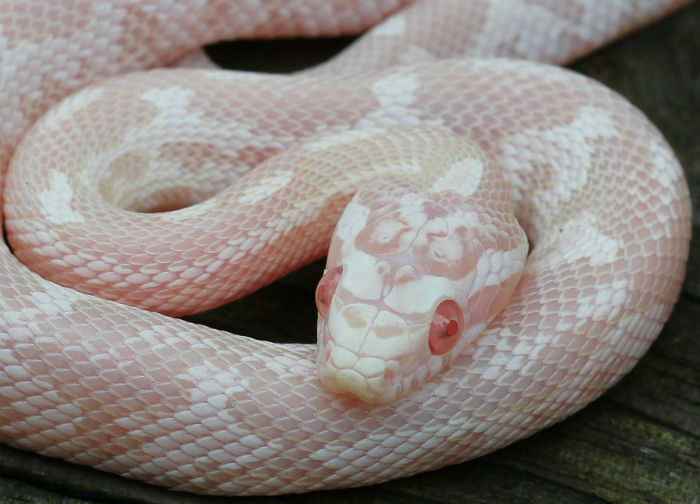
89, 177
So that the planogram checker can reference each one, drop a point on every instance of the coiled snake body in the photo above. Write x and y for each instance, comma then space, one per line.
596, 188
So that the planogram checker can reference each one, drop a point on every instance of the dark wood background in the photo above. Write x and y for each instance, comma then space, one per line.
638, 443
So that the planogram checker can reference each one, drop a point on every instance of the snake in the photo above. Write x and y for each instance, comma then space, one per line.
445, 331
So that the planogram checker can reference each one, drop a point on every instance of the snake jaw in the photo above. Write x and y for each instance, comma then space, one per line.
366, 352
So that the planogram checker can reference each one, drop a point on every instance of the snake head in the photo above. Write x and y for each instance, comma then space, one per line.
372, 350
404, 291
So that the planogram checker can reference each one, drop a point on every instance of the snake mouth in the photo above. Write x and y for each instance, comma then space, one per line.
367, 378
365, 351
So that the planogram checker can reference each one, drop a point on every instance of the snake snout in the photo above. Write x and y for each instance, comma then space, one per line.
369, 353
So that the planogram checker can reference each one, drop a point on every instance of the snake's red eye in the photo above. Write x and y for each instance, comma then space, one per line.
446, 327
326, 288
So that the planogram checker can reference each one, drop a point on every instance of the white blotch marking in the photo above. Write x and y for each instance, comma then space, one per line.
472, 332
440, 235
396, 95
562, 35
415, 54
643, 326
352, 221
664, 169
173, 104
406, 225
568, 149
55, 202
266, 187
363, 276
395, 25
584, 239
68, 108
398, 90
52, 301
463, 177
168, 99
348, 325
420, 295
607, 299
385, 231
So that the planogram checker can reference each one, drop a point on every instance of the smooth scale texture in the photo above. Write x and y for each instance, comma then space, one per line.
597, 189
436, 224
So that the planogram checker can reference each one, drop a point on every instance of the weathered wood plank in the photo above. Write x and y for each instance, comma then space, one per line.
639, 443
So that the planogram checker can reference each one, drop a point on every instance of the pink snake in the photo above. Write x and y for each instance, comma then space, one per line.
597, 189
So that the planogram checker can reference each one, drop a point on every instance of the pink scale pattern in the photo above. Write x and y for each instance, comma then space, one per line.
601, 196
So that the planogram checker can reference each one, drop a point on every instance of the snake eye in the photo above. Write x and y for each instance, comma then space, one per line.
326, 288
446, 327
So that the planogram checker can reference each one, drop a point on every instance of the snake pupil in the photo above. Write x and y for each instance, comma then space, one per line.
452, 328
445, 327
446, 324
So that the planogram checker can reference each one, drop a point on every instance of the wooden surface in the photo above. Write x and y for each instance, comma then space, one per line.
640, 442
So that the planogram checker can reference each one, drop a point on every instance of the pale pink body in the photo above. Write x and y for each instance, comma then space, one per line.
158, 399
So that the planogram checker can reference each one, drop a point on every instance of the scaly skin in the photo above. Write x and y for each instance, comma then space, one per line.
432, 241
599, 193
